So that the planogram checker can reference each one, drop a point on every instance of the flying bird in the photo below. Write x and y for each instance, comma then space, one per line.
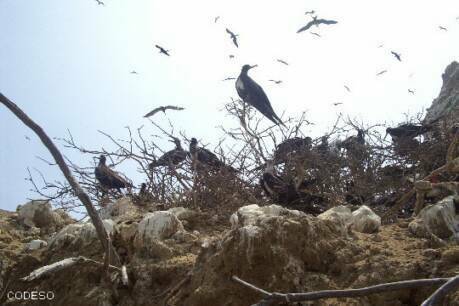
162, 50
163, 109
172, 157
252, 93
282, 61
233, 37
442, 28
216, 19
231, 56
337, 103
228, 79
397, 55
276, 81
353, 141
381, 45
315, 34
316, 22
134, 72
411, 91
27, 137
108, 178
310, 12
347, 88
100, 2
381, 72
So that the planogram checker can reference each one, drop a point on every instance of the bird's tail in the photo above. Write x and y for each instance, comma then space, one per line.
278, 121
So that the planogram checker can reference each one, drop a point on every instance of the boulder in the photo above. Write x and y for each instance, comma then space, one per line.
183, 213
158, 225
439, 219
35, 245
250, 214
39, 214
364, 220
121, 208
340, 215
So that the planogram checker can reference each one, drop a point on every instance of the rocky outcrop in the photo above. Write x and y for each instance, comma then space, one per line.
447, 103
39, 214
340, 215
364, 220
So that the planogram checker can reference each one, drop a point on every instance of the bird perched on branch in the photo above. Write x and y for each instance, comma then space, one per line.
292, 145
397, 55
163, 109
206, 157
162, 50
353, 142
108, 178
316, 22
274, 186
233, 37
408, 130
172, 157
252, 93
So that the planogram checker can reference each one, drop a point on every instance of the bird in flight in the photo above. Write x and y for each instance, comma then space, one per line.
228, 79
216, 19
283, 62
134, 72
254, 95
231, 56
100, 2
381, 72
337, 103
310, 12
162, 50
347, 88
276, 81
233, 37
316, 34
163, 109
381, 45
442, 28
316, 22
27, 137
397, 55
411, 91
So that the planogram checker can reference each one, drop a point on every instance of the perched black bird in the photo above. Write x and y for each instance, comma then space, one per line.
397, 55
108, 178
408, 130
442, 28
282, 62
315, 34
274, 186
206, 157
381, 72
316, 22
252, 93
233, 37
162, 50
353, 141
323, 147
292, 145
163, 109
276, 81
172, 157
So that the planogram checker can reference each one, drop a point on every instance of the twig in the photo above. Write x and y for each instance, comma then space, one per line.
440, 293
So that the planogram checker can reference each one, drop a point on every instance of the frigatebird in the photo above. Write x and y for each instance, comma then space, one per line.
397, 55
291, 145
231, 56
381, 72
163, 109
233, 37
172, 157
276, 81
315, 34
252, 93
310, 12
337, 103
206, 157
316, 22
442, 28
228, 79
134, 72
100, 2
411, 91
347, 88
282, 61
162, 50
353, 141
108, 178
408, 130
216, 19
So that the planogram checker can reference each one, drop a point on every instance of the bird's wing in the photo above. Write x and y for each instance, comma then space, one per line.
240, 88
235, 41
229, 32
306, 27
325, 21
158, 109
163, 109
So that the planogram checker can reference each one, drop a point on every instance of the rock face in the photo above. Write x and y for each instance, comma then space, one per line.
121, 208
35, 245
341, 216
440, 220
364, 220
39, 214
447, 102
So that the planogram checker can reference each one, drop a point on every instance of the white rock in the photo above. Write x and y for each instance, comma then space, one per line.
39, 214
183, 213
35, 245
121, 207
340, 215
251, 214
158, 225
364, 220
440, 220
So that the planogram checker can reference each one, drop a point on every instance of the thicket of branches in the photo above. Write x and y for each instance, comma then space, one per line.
376, 173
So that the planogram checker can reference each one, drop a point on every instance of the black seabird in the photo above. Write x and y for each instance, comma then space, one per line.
100, 2
411, 91
276, 81
273, 185
310, 12
252, 93
442, 28
353, 141
108, 178
397, 55
323, 147
315, 34
408, 130
206, 157
233, 37
172, 157
347, 88
316, 22
381, 72
282, 62
292, 145
162, 50
216, 19
163, 109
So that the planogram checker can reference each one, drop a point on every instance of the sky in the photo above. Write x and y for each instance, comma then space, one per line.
67, 64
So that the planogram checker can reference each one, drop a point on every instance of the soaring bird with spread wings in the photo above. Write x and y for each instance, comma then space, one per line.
233, 37
163, 109
397, 55
162, 50
282, 62
316, 22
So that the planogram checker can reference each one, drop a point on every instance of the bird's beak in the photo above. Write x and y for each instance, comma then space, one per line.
253, 66
385, 136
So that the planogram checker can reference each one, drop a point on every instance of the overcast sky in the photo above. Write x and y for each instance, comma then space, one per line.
68, 63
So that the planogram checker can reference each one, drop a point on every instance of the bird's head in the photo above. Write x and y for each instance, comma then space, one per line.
246, 68
176, 141
193, 144
102, 159
388, 131
360, 133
